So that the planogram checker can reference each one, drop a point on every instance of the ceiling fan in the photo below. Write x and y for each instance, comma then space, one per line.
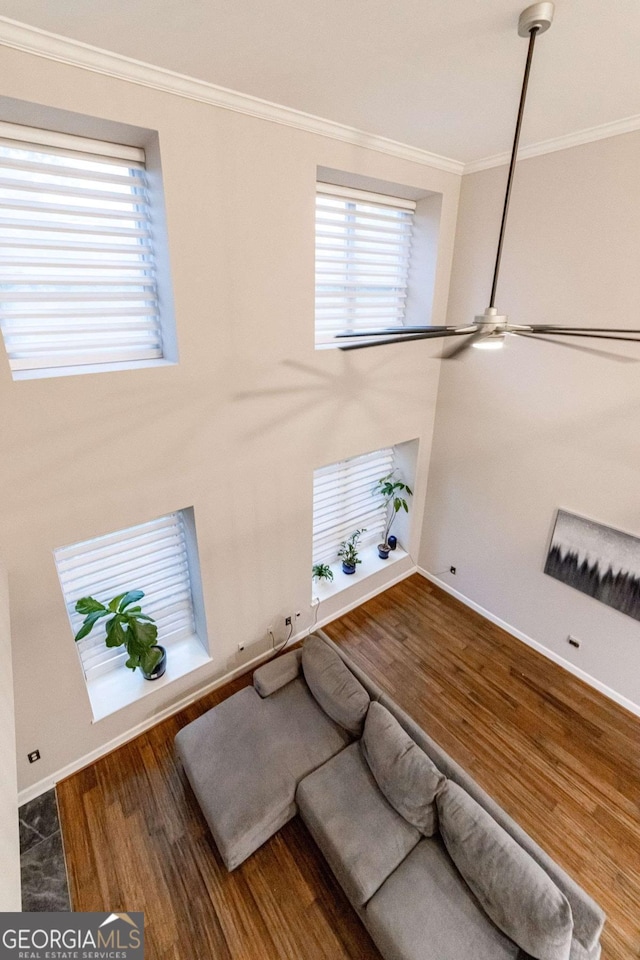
490, 329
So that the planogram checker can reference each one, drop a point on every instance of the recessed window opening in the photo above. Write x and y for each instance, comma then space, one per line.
363, 258
77, 262
154, 557
343, 502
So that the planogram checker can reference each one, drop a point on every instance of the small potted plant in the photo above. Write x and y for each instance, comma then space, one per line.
322, 571
127, 626
348, 552
391, 490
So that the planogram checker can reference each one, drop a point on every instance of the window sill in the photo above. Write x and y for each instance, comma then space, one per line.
120, 687
371, 564
48, 372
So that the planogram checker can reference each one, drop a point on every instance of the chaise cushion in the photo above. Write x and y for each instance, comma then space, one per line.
360, 834
404, 773
512, 888
277, 673
425, 911
333, 685
245, 757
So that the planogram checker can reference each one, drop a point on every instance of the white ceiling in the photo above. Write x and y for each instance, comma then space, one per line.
442, 75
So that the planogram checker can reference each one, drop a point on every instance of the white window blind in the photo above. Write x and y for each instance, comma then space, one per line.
77, 272
363, 250
343, 502
152, 557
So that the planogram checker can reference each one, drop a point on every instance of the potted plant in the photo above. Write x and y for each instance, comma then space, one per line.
322, 571
348, 552
391, 490
127, 626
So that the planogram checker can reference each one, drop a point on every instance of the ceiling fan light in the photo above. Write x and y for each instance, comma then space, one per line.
495, 341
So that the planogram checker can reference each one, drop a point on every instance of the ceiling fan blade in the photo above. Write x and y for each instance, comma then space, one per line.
392, 331
572, 332
619, 358
413, 336
473, 337
548, 327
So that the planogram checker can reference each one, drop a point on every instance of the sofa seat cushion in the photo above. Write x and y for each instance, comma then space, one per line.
361, 836
513, 889
244, 759
578, 952
406, 775
337, 690
425, 911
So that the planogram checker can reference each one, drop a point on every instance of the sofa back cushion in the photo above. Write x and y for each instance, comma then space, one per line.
588, 917
340, 695
514, 891
405, 774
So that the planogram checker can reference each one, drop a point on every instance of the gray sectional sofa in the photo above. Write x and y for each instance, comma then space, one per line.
435, 869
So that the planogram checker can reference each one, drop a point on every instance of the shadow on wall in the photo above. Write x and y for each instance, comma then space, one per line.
321, 387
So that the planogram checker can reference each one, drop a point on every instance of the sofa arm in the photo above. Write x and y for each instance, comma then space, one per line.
277, 673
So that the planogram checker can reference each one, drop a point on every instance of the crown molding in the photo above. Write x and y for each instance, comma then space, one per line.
576, 139
52, 46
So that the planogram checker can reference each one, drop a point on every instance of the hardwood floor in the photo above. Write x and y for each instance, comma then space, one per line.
135, 840
562, 759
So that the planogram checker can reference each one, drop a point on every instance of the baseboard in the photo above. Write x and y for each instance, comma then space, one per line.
47, 783
29, 793
360, 600
530, 642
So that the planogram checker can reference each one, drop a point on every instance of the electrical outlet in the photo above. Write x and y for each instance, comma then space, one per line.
573, 641
453, 570
287, 621
33, 756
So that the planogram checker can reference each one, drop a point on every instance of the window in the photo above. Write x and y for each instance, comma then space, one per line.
77, 266
363, 251
153, 557
343, 502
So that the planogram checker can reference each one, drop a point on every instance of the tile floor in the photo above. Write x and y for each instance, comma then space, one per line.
44, 876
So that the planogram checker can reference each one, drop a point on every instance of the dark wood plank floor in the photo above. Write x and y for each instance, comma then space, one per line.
562, 759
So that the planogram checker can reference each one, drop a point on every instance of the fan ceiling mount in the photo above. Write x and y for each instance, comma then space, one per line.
490, 329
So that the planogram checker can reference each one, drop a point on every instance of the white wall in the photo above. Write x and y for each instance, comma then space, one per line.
9, 835
538, 426
235, 430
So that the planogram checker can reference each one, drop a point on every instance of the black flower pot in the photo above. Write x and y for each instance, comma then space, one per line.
348, 567
160, 667
383, 551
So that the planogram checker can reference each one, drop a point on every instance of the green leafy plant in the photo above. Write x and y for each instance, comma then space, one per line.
322, 571
127, 626
391, 491
348, 551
